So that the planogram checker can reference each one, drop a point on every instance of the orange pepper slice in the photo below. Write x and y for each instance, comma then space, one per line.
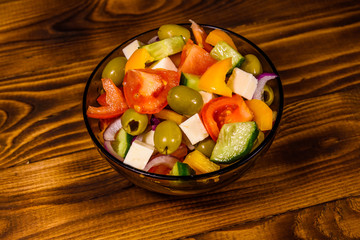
218, 35
138, 59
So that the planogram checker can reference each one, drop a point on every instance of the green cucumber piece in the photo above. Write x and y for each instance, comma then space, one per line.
122, 143
166, 47
181, 169
234, 142
223, 50
190, 80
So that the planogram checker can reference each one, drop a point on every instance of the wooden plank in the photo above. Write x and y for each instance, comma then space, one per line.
83, 191
95, 39
54, 184
18, 97
334, 220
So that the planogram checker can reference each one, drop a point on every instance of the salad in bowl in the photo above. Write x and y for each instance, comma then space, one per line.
183, 109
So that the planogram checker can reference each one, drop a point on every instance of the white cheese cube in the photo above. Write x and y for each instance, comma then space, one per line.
242, 83
131, 48
206, 96
139, 154
148, 137
164, 63
194, 129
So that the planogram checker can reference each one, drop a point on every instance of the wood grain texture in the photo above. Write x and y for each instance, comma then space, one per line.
328, 221
54, 184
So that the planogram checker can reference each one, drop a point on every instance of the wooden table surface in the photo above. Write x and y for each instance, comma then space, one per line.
54, 184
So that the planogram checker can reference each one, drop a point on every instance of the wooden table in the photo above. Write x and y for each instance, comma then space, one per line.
54, 184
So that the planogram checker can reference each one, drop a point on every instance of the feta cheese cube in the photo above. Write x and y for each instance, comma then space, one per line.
194, 129
131, 48
148, 137
139, 154
242, 83
206, 96
164, 63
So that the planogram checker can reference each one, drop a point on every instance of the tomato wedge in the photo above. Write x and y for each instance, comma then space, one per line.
146, 90
115, 102
194, 59
222, 110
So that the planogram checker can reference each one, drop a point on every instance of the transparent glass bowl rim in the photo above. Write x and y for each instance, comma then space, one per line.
219, 172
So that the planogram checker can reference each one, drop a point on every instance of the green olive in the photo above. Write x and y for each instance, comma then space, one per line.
206, 146
171, 30
134, 123
115, 70
167, 137
185, 100
268, 95
252, 65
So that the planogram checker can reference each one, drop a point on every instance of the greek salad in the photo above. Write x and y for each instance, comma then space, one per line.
186, 102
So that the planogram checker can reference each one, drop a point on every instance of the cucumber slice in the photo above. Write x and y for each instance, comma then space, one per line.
181, 169
223, 50
190, 80
122, 143
234, 142
166, 47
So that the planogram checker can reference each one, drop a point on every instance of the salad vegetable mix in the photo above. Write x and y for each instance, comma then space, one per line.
182, 106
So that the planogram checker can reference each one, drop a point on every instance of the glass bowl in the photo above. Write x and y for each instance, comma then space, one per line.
183, 185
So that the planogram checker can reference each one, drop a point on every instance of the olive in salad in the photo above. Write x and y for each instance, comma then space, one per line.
186, 102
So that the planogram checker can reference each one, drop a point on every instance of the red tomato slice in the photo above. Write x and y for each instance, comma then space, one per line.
146, 90
115, 102
222, 110
194, 59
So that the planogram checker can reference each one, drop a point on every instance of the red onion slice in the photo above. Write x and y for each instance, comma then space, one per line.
153, 39
262, 80
181, 152
166, 160
138, 137
112, 129
154, 122
108, 147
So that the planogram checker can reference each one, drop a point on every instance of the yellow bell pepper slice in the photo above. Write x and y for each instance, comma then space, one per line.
213, 80
263, 115
170, 115
138, 59
200, 163
218, 35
